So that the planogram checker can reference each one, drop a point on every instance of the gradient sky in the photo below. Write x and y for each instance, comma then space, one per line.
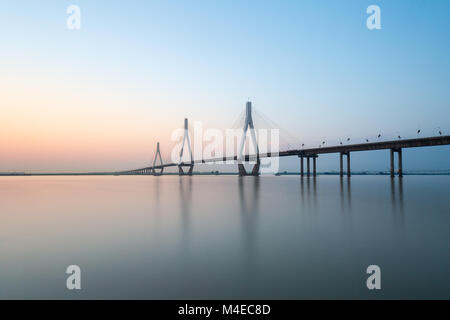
99, 98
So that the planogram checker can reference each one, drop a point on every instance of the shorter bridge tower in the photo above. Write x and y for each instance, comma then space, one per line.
248, 124
187, 140
157, 155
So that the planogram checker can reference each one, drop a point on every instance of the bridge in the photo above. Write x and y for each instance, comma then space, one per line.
395, 146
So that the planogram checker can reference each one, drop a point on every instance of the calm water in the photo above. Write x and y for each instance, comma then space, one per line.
224, 236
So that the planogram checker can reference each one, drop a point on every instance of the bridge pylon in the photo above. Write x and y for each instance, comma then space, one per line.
157, 155
248, 124
187, 140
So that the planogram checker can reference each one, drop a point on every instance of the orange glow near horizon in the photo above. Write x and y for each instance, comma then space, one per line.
46, 126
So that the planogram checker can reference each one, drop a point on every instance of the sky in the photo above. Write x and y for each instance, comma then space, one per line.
99, 98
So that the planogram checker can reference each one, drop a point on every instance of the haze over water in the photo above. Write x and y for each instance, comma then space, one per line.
216, 237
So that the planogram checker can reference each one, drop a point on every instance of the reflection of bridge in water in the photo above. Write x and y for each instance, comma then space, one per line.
395, 146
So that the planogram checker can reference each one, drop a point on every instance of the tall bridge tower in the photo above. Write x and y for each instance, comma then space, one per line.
187, 140
157, 154
248, 124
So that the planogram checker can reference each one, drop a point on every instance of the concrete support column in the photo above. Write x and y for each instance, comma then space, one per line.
392, 163
341, 164
400, 162
301, 166
348, 164
314, 166
308, 172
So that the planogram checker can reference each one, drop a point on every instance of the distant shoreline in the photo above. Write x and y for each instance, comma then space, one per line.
326, 173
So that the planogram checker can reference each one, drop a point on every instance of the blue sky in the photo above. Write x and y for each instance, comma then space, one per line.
312, 66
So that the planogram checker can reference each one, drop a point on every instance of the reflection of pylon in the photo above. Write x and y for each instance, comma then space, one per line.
186, 139
248, 123
157, 154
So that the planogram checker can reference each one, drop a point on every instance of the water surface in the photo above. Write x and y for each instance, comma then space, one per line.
214, 237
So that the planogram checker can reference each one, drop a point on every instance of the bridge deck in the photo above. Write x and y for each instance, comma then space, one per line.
394, 144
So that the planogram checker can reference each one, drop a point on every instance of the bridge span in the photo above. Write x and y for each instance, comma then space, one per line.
395, 146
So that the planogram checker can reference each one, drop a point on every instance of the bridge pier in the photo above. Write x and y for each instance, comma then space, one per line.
301, 166
392, 162
348, 165
341, 164
314, 166
181, 172
308, 173
255, 170
400, 162
308, 165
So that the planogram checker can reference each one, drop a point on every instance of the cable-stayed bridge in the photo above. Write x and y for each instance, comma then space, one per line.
245, 121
